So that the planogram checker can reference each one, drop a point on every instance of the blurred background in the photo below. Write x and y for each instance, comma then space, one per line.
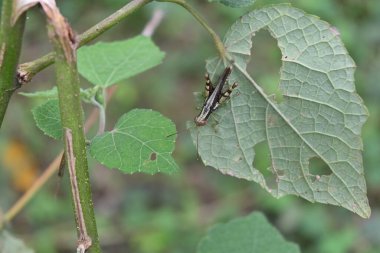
170, 213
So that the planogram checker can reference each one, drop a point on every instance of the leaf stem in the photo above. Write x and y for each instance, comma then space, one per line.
217, 41
10, 47
102, 114
27, 70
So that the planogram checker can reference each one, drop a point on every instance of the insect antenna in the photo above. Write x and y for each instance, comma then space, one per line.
198, 157
170, 135
178, 132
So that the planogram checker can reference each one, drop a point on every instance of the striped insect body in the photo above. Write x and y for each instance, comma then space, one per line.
214, 96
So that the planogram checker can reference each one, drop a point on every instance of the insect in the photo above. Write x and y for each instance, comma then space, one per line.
214, 96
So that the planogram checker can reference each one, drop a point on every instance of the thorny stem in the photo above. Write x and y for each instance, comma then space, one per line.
218, 42
27, 70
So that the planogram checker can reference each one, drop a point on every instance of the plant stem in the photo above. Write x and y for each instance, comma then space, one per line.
218, 42
29, 69
71, 113
10, 47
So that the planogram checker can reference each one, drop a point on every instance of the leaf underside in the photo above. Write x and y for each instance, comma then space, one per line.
246, 235
142, 141
321, 115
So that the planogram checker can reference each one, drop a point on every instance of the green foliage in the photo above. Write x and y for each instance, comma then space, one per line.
107, 63
142, 141
251, 234
10, 244
211, 195
103, 64
320, 115
235, 3
47, 118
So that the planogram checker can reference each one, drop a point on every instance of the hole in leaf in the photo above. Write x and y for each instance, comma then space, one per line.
317, 167
265, 64
153, 156
263, 163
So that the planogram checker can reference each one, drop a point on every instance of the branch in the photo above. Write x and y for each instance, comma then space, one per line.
71, 113
10, 46
26, 71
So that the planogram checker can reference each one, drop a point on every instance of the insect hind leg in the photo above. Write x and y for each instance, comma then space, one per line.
208, 86
226, 95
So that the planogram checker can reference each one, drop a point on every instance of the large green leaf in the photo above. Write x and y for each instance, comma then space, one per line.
48, 119
142, 141
106, 63
11, 244
320, 116
251, 234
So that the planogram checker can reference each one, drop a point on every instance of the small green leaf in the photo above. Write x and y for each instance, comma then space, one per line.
251, 234
107, 63
319, 117
235, 3
52, 93
10, 244
86, 94
48, 119
142, 141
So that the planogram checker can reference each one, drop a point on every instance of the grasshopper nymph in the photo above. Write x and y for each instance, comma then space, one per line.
214, 96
